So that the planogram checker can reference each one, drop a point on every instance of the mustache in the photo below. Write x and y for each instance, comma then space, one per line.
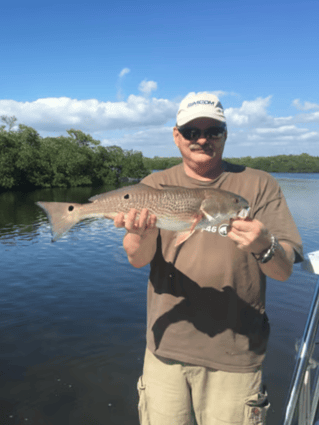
196, 147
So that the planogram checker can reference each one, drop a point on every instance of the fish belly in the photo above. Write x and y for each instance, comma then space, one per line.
174, 225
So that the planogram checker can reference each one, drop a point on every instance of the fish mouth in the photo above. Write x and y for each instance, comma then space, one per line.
244, 212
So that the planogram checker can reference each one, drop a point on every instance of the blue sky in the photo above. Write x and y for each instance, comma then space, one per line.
118, 70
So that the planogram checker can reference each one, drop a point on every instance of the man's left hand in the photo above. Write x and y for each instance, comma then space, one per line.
249, 235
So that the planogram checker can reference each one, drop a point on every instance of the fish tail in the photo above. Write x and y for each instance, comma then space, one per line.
62, 216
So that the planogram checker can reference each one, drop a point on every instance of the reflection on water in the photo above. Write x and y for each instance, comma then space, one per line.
72, 313
20, 218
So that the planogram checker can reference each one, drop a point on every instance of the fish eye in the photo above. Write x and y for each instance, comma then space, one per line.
126, 196
71, 208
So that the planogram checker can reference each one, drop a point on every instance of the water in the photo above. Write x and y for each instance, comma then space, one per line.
72, 313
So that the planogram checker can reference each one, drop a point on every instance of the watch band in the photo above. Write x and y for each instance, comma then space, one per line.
264, 258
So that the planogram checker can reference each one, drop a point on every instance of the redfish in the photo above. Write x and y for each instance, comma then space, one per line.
176, 208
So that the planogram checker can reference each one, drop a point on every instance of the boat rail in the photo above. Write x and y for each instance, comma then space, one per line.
300, 387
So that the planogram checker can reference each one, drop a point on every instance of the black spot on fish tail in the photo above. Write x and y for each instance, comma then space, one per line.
71, 208
126, 196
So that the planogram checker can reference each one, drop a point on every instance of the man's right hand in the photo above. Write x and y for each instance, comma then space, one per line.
140, 240
144, 223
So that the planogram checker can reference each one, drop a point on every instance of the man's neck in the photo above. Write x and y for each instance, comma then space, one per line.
204, 173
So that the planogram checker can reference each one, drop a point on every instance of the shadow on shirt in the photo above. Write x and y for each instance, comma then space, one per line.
209, 310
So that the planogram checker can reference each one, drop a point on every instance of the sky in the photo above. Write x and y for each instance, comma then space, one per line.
118, 70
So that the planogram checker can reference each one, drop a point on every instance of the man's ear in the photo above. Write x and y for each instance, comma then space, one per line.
176, 135
225, 136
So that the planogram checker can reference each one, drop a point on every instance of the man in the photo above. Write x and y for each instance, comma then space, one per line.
207, 329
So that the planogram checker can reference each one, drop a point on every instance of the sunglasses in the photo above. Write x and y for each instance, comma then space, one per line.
193, 133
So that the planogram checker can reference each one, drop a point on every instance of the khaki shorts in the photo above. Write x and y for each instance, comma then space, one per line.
176, 393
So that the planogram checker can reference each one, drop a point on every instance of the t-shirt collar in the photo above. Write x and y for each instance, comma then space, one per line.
201, 183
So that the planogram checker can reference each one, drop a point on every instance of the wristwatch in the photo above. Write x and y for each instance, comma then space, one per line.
265, 257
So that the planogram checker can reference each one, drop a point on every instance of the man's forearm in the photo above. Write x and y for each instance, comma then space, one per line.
140, 249
140, 239
280, 266
252, 236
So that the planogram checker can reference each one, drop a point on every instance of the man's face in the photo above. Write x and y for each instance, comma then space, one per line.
203, 151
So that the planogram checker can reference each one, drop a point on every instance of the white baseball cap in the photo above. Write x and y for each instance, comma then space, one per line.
200, 105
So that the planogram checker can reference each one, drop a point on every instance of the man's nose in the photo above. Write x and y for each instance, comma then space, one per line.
202, 139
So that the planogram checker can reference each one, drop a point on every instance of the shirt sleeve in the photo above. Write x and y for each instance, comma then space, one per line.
273, 212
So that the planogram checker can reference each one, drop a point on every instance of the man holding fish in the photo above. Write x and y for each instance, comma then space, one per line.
207, 329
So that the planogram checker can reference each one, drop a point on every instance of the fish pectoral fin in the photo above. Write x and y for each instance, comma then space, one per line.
208, 207
196, 220
183, 236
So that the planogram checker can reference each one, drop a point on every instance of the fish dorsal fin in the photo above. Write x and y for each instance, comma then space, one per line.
128, 189
170, 187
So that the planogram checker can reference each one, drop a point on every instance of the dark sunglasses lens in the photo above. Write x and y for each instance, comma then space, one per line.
190, 133
213, 132
194, 134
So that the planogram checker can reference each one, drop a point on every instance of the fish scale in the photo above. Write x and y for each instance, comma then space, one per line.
176, 208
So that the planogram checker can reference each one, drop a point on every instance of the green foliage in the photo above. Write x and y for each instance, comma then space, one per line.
303, 163
161, 163
9, 121
81, 138
28, 156
27, 160
9, 151
133, 165
62, 163
105, 172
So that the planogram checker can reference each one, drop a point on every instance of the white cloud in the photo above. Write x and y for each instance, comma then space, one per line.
279, 121
119, 94
124, 72
60, 114
218, 93
306, 106
281, 130
146, 87
141, 123
308, 117
157, 139
310, 135
250, 112
273, 135
253, 131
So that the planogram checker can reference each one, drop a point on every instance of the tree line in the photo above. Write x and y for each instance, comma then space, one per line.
302, 163
29, 161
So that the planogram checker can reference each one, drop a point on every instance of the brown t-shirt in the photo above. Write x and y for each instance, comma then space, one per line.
206, 298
